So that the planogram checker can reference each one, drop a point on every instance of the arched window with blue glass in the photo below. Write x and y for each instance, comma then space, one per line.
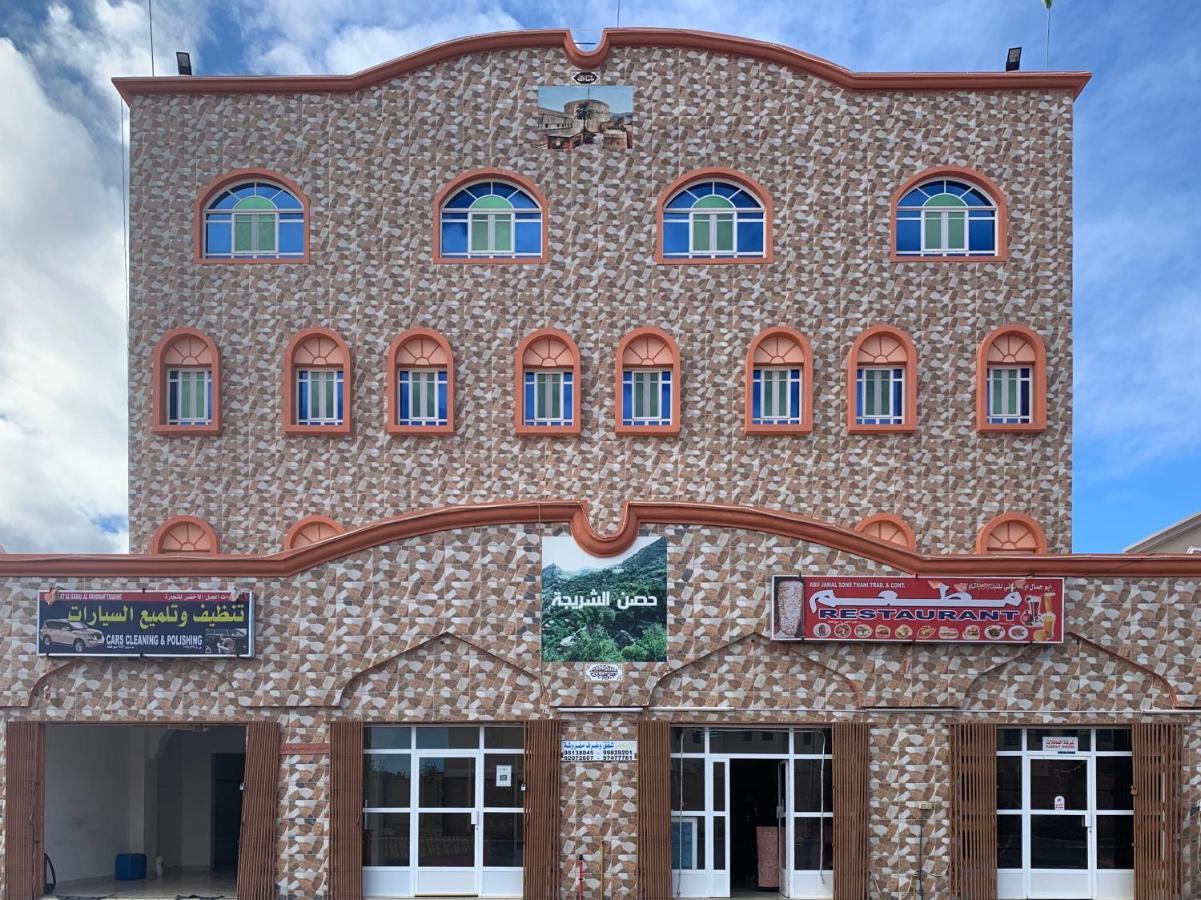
949, 217
255, 219
491, 219
714, 219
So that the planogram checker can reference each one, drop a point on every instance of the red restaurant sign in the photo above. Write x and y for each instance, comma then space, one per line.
965, 610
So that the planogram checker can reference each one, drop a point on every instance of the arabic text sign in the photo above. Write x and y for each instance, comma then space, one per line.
1061, 744
956, 610
600, 751
145, 623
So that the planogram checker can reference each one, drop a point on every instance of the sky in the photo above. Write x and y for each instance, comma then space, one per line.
63, 430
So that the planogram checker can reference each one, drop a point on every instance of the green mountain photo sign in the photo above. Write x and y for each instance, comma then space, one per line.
598, 609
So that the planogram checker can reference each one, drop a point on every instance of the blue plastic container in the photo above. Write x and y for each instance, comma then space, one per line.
131, 866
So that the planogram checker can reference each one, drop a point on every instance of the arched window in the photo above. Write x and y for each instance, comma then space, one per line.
186, 384
317, 384
882, 381
949, 213
779, 383
184, 535
490, 215
311, 530
421, 384
1011, 381
253, 215
714, 215
888, 528
1012, 533
548, 384
648, 383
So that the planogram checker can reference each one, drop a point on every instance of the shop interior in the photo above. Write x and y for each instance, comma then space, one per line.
142, 812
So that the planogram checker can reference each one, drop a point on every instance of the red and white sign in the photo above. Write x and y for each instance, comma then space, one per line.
951, 610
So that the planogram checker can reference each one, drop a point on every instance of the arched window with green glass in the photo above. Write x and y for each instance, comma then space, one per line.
257, 219
713, 219
491, 220
944, 217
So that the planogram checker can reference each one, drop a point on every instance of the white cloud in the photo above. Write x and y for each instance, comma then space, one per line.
304, 37
62, 331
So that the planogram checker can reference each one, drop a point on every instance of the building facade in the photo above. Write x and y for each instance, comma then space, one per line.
387, 345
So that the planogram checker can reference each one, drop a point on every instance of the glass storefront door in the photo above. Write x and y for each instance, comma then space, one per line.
1064, 814
442, 811
746, 796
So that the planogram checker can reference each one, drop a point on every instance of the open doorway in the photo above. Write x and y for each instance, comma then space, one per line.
171, 796
754, 828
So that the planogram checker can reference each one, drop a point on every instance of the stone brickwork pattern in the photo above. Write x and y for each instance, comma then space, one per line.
371, 163
446, 628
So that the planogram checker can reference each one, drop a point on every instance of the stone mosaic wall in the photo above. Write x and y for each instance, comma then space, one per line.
446, 628
371, 163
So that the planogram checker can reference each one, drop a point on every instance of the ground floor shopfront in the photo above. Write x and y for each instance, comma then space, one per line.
395, 729
849, 808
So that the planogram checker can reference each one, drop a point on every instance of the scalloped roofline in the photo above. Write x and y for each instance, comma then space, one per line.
574, 513
611, 39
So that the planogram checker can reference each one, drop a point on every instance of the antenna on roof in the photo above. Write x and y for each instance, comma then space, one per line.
618, 13
150, 14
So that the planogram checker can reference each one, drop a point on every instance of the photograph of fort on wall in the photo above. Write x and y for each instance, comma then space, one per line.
572, 115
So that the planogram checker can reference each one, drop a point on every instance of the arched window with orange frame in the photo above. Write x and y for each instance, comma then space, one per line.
778, 383
186, 386
249, 216
317, 383
547, 384
420, 384
648, 383
882, 382
311, 530
1014, 533
1011, 381
184, 535
949, 214
890, 529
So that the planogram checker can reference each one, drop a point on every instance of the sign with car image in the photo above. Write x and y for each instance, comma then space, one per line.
145, 623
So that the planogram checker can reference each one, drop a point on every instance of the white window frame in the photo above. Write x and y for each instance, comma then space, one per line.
790, 416
663, 416
174, 391
944, 215
324, 417
565, 419
432, 376
1025, 379
861, 384
492, 215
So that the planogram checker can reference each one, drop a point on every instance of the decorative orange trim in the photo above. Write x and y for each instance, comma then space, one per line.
980, 180
577, 387
195, 531
308, 528
391, 366
290, 426
677, 388
220, 183
611, 39
879, 525
575, 514
1013, 518
1038, 381
715, 173
158, 385
748, 383
451, 188
910, 418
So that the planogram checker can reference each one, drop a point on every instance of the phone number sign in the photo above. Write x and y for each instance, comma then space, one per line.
911, 610
600, 751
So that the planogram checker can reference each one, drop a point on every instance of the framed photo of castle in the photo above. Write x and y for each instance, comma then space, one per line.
576, 115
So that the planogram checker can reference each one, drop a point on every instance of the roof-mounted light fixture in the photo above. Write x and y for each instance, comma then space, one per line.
183, 61
1013, 59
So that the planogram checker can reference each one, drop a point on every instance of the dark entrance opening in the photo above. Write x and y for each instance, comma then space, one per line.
754, 854
228, 771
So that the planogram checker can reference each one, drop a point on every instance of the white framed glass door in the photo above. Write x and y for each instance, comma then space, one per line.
1064, 814
442, 811
706, 765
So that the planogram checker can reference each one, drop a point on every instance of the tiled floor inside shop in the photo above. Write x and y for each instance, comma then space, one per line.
169, 887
